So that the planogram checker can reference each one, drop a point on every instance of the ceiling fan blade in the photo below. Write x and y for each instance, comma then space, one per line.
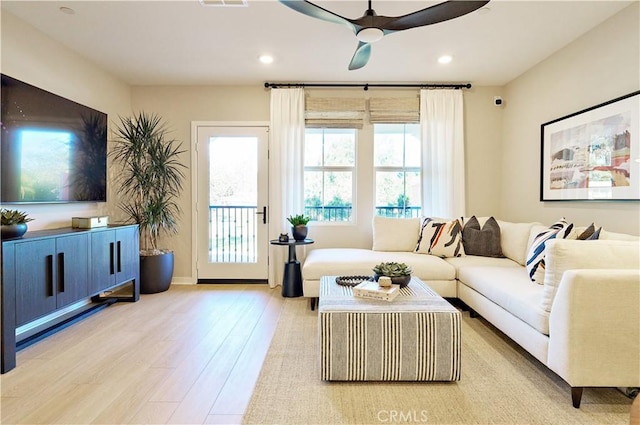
315, 11
431, 15
361, 56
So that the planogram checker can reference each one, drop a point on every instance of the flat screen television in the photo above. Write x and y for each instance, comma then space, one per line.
52, 150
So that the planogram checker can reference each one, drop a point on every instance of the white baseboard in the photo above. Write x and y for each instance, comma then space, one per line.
183, 281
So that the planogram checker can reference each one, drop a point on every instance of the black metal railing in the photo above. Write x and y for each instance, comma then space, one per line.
232, 237
343, 213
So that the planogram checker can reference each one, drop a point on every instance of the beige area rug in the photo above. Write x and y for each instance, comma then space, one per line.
500, 384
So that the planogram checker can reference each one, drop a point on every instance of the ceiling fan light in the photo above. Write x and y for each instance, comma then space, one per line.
370, 35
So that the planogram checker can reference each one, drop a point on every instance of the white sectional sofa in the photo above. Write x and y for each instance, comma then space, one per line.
582, 321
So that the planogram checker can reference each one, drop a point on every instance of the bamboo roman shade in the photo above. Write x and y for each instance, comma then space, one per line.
334, 112
394, 110
342, 112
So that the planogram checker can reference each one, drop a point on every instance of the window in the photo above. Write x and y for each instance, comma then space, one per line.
397, 159
329, 173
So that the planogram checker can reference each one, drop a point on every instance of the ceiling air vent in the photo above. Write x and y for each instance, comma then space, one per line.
224, 3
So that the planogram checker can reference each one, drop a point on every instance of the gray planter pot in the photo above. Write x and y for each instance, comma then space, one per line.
299, 232
156, 272
11, 231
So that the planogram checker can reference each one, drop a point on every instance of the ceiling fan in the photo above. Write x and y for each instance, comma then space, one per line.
370, 27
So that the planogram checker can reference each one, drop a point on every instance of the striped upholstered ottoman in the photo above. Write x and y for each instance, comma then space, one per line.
415, 337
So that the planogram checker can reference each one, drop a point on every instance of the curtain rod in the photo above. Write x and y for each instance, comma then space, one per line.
366, 86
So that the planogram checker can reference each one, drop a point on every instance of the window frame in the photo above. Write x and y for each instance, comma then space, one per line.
353, 169
399, 169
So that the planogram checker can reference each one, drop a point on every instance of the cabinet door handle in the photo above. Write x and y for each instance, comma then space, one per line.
61, 272
49, 260
111, 258
119, 256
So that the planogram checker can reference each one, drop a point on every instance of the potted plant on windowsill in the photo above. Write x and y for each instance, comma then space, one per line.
299, 227
13, 223
399, 273
150, 181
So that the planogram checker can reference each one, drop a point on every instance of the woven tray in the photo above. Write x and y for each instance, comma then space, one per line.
351, 280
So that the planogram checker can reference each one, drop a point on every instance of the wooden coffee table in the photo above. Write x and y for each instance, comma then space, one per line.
415, 337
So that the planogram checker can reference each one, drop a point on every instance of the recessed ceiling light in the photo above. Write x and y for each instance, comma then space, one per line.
484, 10
266, 59
444, 59
67, 10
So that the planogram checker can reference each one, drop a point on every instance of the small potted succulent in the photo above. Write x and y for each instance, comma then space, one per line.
399, 273
13, 223
299, 227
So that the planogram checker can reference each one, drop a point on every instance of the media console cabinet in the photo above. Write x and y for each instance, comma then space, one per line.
48, 271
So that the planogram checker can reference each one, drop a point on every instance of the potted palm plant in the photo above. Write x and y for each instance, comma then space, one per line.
13, 223
150, 182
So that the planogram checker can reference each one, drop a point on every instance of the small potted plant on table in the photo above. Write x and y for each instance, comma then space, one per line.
399, 273
299, 227
13, 223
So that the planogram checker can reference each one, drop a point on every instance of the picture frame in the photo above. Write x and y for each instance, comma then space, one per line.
593, 154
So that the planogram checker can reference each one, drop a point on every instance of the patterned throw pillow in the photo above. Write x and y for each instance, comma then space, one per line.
440, 238
485, 241
535, 258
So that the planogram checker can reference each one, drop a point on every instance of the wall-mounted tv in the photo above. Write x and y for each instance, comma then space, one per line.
51, 149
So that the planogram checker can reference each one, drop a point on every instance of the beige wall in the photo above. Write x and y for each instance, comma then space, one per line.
34, 58
601, 65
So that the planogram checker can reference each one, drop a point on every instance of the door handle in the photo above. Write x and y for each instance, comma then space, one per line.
61, 272
111, 258
263, 213
49, 266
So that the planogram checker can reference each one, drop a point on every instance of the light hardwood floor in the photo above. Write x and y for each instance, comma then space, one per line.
190, 355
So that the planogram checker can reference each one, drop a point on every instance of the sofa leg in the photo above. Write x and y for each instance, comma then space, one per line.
473, 314
576, 396
312, 303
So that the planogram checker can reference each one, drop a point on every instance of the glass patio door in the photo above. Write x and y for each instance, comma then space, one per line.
232, 230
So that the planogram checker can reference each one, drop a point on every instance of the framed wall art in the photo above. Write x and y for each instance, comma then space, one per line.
593, 154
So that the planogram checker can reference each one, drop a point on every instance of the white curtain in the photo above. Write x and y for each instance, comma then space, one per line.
442, 130
286, 141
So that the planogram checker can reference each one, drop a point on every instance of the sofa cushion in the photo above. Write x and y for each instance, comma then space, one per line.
514, 239
565, 254
440, 238
484, 241
478, 261
511, 289
605, 235
536, 256
354, 262
395, 234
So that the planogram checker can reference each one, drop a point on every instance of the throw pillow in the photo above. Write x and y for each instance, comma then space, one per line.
440, 238
595, 235
590, 233
535, 259
587, 233
395, 234
484, 241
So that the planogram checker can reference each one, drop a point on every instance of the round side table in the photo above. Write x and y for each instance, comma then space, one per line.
292, 279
